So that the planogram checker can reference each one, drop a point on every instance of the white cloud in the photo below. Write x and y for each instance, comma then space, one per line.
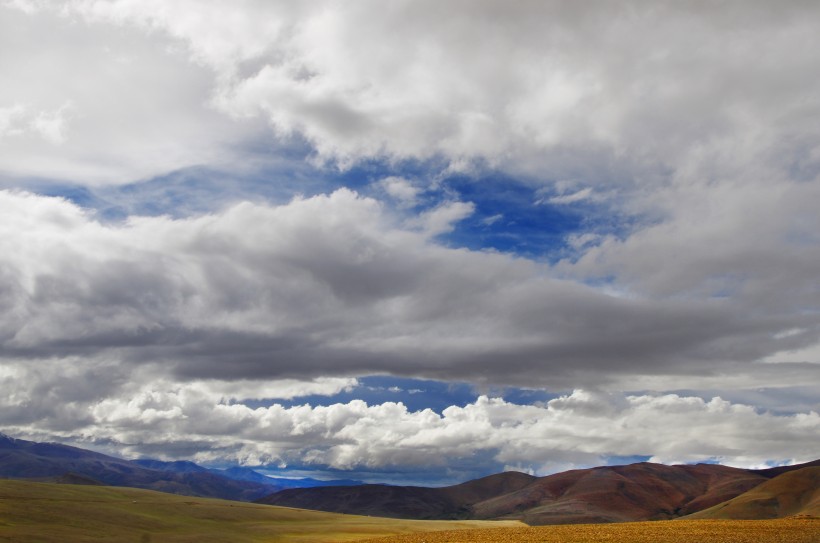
617, 92
579, 196
400, 189
92, 103
572, 431
10, 120
711, 152
52, 125
489, 221
442, 219
332, 286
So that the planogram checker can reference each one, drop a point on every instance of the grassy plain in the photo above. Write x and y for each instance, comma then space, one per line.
789, 530
42, 512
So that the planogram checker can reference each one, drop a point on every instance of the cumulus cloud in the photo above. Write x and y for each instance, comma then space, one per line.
400, 189
678, 117
478, 80
442, 218
93, 103
578, 429
573, 91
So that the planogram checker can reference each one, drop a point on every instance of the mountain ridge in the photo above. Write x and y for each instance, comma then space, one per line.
790, 493
55, 462
633, 492
628, 493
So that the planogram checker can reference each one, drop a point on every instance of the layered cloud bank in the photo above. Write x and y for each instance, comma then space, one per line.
162, 330
332, 285
578, 429
683, 137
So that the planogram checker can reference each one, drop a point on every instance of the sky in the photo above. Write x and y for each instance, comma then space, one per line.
412, 241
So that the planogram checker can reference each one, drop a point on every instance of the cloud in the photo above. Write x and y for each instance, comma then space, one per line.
579, 196
333, 285
93, 103
696, 140
613, 95
52, 126
442, 219
578, 429
400, 189
476, 81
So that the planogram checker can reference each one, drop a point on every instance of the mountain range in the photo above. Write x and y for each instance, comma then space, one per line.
21, 459
635, 492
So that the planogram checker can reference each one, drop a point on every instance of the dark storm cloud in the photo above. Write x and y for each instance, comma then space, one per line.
330, 286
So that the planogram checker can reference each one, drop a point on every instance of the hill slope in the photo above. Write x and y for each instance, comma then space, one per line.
21, 459
635, 492
57, 513
791, 493
620, 493
406, 502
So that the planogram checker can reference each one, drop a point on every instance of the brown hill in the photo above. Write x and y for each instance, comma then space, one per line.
774, 472
791, 493
406, 502
620, 493
21, 459
635, 492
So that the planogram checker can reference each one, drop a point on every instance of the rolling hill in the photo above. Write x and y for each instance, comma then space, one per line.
791, 493
51, 513
635, 492
54, 462
21, 459
406, 502
607, 494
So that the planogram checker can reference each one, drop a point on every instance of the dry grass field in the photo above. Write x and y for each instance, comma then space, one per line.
45, 513
39, 512
790, 530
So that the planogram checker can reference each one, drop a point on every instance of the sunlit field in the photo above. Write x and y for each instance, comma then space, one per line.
77, 514
791, 530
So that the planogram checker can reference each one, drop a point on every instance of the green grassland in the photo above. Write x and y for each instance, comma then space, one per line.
43, 512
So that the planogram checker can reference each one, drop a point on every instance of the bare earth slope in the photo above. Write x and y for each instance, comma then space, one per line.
791, 493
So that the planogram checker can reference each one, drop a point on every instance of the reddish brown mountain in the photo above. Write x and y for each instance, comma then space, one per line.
791, 493
620, 493
406, 502
635, 492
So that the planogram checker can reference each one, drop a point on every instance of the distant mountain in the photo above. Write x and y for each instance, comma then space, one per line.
21, 459
635, 492
793, 492
177, 466
53, 462
406, 502
240, 473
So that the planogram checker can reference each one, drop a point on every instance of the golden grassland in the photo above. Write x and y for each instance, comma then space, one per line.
42, 512
46, 513
788, 530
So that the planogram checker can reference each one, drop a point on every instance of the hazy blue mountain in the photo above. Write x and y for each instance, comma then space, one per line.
21, 459
241, 473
